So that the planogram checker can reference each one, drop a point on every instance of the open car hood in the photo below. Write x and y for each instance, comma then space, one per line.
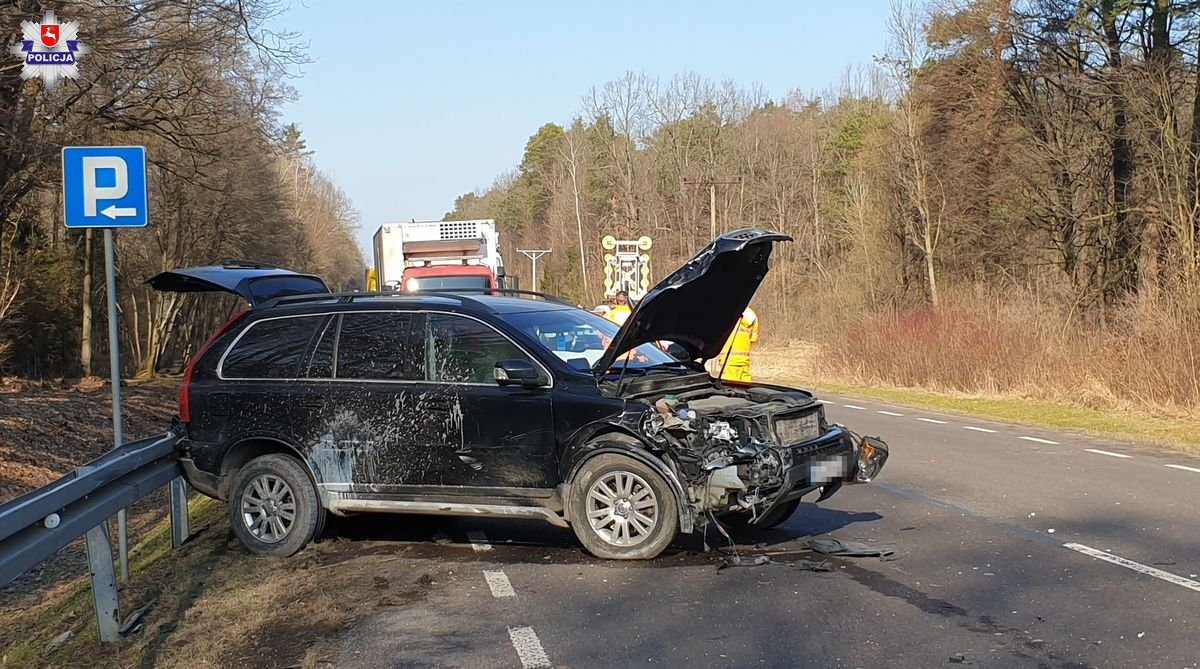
699, 304
257, 284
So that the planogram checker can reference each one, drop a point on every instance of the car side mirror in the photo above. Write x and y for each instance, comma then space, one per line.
519, 372
678, 352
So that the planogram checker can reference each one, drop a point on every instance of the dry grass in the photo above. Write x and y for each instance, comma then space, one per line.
1017, 360
210, 605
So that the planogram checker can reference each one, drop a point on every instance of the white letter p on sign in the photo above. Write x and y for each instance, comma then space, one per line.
93, 193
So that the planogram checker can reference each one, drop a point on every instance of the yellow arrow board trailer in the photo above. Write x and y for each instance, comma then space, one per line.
626, 266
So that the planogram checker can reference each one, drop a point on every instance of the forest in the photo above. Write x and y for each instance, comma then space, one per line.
200, 84
1007, 200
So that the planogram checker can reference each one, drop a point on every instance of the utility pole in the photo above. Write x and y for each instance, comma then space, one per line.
712, 197
533, 255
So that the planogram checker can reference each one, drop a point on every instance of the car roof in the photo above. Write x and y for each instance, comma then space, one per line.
476, 303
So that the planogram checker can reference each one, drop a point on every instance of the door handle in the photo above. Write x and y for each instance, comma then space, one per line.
312, 403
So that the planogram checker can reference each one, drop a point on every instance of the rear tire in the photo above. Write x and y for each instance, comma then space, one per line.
622, 509
273, 506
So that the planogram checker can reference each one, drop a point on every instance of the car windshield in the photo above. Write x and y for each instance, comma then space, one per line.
461, 282
580, 337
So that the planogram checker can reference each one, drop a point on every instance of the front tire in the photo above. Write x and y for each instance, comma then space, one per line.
273, 507
740, 520
621, 509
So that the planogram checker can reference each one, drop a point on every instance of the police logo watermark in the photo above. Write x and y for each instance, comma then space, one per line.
50, 50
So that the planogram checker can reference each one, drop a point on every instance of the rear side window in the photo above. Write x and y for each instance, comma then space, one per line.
270, 349
381, 345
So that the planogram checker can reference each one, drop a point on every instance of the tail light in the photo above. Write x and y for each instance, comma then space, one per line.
185, 409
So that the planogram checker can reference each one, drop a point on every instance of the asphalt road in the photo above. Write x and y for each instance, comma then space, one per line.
1014, 547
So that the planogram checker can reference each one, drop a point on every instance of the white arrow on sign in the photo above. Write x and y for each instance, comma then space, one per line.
114, 212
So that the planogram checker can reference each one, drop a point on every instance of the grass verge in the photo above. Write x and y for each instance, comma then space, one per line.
206, 605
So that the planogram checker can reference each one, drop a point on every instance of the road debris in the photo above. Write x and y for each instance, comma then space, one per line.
59, 640
134, 621
759, 560
846, 548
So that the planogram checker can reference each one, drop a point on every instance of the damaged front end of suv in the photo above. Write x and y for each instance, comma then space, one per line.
747, 455
743, 453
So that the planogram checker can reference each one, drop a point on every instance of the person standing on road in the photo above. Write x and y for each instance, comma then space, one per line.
734, 361
620, 311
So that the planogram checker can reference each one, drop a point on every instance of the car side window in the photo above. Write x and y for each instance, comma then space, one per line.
463, 350
270, 349
320, 363
380, 345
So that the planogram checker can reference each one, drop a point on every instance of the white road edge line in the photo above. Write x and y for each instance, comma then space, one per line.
1135, 566
933, 420
479, 541
854, 406
1185, 468
978, 429
498, 582
1040, 441
529, 648
1108, 453
889, 413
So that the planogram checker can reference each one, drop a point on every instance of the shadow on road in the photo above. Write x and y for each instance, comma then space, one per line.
523, 541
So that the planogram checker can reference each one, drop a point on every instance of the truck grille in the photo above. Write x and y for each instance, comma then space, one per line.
798, 427
458, 230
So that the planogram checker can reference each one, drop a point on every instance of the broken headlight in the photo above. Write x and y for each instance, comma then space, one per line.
872, 453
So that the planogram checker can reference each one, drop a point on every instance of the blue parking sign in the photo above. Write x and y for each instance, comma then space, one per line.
105, 187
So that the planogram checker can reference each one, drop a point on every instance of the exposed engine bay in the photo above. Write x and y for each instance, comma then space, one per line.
749, 449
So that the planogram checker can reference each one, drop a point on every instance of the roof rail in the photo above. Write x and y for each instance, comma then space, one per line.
343, 298
452, 293
491, 291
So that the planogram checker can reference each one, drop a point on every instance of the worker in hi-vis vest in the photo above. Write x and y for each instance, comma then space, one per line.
620, 311
734, 361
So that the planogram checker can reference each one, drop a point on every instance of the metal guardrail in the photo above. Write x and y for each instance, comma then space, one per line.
36, 525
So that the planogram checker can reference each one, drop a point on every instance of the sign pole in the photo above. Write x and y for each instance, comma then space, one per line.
105, 187
114, 362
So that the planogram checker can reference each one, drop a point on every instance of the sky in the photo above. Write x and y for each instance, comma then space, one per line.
408, 105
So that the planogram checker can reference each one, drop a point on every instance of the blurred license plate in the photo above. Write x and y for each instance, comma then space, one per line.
825, 469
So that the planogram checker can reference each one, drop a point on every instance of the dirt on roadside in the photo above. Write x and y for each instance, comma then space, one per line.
45, 431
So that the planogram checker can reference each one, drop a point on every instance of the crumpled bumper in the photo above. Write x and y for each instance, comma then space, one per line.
836, 458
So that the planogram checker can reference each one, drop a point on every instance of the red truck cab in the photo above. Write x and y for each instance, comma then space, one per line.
448, 277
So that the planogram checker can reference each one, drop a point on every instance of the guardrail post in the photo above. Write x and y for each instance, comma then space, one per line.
179, 512
104, 583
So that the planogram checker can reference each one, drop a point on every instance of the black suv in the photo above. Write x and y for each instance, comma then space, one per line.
502, 405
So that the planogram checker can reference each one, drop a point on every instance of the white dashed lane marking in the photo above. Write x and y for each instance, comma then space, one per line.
479, 541
1135, 566
529, 648
1108, 453
476, 543
498, 582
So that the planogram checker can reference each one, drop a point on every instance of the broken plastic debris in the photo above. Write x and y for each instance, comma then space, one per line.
60, 640
757, 560
846, 548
